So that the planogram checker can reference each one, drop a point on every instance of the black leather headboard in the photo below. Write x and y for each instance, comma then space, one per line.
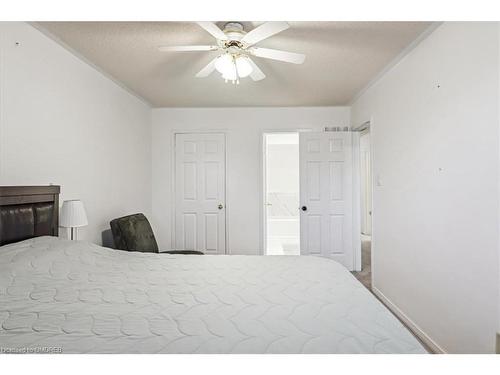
27, 212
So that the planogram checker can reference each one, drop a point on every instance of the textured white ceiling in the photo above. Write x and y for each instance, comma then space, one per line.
341, 58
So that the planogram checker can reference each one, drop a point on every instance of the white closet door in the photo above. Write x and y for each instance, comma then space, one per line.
326, 196
200, 207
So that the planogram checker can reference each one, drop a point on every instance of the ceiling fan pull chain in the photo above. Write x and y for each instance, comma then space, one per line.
236, 71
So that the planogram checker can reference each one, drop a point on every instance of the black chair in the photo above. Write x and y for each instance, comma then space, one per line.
134, 233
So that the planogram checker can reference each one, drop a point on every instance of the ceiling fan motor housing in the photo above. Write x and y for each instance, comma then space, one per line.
234, 31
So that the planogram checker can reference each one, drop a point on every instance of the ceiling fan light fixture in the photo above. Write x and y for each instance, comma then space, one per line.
224, 64
237, 46
233, 68
230, 75
243, 66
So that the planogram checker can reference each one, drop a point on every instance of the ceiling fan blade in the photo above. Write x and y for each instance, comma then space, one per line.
256, 74
187, 48
207, 70
264, 31
267, 53
213, 29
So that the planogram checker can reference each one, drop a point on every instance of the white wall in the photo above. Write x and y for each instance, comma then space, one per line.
435, 223
63, 122
498, 179
243, 128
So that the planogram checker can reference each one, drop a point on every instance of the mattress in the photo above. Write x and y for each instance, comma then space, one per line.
76, 297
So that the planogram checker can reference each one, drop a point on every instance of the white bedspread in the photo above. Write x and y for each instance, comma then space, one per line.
84, 298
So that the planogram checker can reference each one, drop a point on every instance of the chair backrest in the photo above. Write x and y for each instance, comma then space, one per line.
134, 233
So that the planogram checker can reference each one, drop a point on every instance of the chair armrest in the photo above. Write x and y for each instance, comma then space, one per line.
184, 252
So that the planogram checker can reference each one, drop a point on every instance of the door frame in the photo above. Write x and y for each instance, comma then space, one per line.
369, 126
366, 214
173, 178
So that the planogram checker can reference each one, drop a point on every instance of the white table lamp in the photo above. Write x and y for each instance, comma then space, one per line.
73, 215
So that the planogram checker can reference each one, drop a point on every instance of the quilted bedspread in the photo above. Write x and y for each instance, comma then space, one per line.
83, 298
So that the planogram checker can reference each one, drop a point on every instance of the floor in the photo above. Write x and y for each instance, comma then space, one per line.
365, 275
284, 245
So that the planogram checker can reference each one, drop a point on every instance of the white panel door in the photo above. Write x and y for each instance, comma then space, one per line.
326, 196
200, 207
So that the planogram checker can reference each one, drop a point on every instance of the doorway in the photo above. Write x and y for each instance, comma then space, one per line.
365, 181
281, 194
308, 195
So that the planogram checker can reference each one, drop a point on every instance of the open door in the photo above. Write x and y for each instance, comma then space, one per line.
326, 196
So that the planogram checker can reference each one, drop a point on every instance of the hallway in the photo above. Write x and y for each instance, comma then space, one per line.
365, 275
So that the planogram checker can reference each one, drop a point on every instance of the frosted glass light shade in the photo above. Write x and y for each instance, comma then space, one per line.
230, 75
224, 64
73, 214
233, 68
243, 66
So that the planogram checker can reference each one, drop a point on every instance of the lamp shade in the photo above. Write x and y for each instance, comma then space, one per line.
73, 214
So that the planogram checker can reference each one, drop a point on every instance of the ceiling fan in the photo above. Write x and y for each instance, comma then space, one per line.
235, 47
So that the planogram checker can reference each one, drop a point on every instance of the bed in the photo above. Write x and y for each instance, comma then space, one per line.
77, 297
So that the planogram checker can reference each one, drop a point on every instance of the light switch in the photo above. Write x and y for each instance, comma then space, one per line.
378, 180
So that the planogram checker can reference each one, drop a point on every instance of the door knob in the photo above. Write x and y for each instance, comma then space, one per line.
303, 208
220, 206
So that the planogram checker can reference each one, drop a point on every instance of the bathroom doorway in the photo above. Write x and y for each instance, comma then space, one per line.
281, 194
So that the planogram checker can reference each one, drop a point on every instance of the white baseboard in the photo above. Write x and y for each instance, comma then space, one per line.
411, 325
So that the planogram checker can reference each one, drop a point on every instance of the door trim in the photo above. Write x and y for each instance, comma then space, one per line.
370, 126
356, 201
173, 189
365, 217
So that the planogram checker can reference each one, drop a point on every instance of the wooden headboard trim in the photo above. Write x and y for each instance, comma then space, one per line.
12, 191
